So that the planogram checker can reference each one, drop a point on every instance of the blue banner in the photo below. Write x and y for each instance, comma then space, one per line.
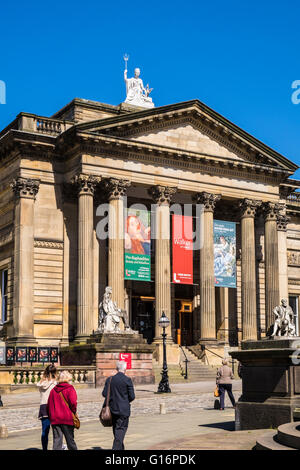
225, 253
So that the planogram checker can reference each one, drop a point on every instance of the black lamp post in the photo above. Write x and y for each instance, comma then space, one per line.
164, 387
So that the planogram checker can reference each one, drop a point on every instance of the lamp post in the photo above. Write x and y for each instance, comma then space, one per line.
164, 387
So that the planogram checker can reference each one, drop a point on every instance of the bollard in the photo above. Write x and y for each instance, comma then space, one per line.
162, 408
3, 431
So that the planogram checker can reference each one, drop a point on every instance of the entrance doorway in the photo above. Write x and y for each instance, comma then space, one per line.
184, 322
294, 304
143, 317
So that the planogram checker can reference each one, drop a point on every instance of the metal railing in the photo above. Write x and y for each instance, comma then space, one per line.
186, 362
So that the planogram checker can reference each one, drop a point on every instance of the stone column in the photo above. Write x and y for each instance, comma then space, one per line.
271, 211
282, 222
116, 190
248, 209
86, 186
23, 310
207, 278
162, 196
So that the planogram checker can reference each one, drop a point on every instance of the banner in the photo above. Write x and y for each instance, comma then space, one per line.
225, 253
182, 242
137, 262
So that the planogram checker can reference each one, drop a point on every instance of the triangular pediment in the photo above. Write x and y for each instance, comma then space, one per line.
186, 137
190, 127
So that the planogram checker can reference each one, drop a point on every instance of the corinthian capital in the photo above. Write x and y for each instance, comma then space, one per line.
25, 187
86, 184
162, 195
271, 210
116, 188
248, 207
282, 222
209, 200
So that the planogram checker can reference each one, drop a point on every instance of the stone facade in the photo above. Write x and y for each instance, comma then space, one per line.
56, 171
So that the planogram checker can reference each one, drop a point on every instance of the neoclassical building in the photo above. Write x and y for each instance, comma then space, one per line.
55, 172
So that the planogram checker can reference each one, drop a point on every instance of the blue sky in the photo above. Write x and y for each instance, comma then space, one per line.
239, 58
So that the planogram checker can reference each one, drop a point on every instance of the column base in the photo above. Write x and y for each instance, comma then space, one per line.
84, 339
173, 351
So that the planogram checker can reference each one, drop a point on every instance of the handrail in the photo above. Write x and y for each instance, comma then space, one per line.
205, 348
186, 360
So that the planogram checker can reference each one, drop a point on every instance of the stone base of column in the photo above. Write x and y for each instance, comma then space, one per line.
172, 349
82, 339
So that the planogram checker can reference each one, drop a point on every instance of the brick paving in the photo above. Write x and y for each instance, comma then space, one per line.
184, 397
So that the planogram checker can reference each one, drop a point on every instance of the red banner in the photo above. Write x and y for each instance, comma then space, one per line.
182, 237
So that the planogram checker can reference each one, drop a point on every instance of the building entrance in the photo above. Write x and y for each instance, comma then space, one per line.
184, 322
143, 317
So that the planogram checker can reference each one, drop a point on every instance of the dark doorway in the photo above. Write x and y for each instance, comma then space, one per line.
143, 317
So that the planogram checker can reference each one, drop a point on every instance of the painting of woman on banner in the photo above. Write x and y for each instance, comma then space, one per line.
224, 254
137, 233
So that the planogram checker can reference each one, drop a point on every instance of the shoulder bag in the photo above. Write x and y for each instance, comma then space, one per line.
76, 420
105, 414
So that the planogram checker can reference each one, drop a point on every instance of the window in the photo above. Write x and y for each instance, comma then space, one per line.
4, 276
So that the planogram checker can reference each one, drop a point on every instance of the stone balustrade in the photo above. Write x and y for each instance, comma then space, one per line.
22, 376
42, 125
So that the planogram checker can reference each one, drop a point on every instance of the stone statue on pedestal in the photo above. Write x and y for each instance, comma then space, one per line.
136, 93
284, 320
110, 315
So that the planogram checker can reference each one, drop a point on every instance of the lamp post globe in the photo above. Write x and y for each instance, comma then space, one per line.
163, 386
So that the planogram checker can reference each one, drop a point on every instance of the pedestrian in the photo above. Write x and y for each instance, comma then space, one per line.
45, 385
121, 395
224, 382
62, 403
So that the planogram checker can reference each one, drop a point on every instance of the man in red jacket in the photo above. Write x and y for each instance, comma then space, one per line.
60, 413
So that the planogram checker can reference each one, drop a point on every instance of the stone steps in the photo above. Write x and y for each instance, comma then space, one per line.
268, 442
197, 371
287, 437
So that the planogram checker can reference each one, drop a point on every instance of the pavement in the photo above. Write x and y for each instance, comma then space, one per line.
190, 421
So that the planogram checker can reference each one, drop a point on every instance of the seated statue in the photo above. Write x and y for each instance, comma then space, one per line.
110, 315
284, 320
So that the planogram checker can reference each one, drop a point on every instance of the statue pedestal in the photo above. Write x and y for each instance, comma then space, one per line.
271, 382
103, 350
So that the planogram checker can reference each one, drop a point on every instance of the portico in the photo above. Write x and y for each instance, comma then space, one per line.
89, 154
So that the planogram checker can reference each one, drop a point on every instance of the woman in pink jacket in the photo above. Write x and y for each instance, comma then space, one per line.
60, 414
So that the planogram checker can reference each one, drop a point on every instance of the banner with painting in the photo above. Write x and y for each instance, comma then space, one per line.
225, 253
182, 249
137, 257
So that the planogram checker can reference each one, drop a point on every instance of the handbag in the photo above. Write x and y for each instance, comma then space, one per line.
216, 392
76, 420
105, 414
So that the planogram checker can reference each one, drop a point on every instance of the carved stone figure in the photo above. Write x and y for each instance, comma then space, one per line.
110, 315
284, 320
136, 93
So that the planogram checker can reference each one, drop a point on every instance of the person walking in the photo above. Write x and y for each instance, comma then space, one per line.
45, 385
224, 382
121, 395
62, 403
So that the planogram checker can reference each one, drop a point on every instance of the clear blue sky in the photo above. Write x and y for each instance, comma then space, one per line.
238, 57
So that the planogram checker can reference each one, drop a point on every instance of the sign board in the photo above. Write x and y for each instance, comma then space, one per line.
2, 355
182, 247
127, 358
137, 253
225, 253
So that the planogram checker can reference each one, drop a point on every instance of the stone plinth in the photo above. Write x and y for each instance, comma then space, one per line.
103, 350
271, 382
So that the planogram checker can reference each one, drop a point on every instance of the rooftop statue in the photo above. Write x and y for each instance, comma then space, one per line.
136, 93
110, 315
284, 320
